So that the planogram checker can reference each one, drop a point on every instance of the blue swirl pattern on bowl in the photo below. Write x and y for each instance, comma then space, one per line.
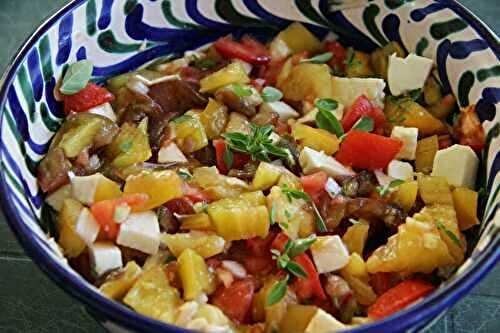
121, 35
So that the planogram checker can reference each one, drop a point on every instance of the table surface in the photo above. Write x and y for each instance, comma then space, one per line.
30, 302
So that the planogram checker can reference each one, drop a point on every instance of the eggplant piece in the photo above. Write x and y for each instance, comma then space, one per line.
53, 170
245, 104
360, 185
174, 98
292, 163
342, 297
373, 209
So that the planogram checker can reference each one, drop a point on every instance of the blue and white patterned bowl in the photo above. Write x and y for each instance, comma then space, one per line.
120, 35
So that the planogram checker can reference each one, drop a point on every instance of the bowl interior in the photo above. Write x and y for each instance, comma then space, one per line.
118, 36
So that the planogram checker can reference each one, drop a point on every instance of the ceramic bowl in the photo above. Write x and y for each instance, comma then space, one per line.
120, 35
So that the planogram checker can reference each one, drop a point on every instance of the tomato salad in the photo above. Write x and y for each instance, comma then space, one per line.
294, 186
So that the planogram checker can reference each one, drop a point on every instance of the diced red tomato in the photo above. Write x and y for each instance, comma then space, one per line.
339, 55
367, 151
258, 246
248, 50
469, 130
104, 211
90, 96
399, 297
236, 300
239, 159
309, 287
314, 184
362, 107
271, 71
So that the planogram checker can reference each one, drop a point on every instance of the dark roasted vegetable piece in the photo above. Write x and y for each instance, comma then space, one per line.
167, 221
332, 210
360, 185
292, 163
342, 297
53, 170
246, 173
371, 209
243, 104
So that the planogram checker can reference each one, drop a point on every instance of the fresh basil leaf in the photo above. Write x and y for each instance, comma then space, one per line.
327, 121
291, 193
241, 91
271, 94
277, 292
288, 246
275, 253
184, 174
449, 233
296, 270
383, 190
125, 146
364, 124
415, 94
326, 104
320, 58
76, 78
396, 183
204, 63
320, 223
301, 245
228, 158
283, 261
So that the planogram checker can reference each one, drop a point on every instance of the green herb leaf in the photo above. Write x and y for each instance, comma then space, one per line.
228, 158
449, 233
271, 94
351, 60
181, 119
301, 245
277, 292
415, 94
170, 258
241, 91
76, 78
364, 124
272, 215
383, 190
320, 58
185, 174
326, 104
257, 144
327, 121
204, 63
125, 146
296, 270
283, 261
320, 223
291, 193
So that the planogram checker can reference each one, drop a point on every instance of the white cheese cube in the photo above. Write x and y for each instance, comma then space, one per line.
346, 90
406, 74
329, 254
323, 322
312, 161
171, 153
141, 231
409, 137
87, 227
84, 187
283, 110
104, 110
400, 170
279, 49
246, 66
105, 256
56, 198
458, 164
310, 117
332, 187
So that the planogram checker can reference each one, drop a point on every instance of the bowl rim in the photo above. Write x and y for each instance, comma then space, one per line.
439, 301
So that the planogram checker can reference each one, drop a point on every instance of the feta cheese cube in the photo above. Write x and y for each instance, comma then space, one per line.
84, 187
104, 110
87, 227
346, 90
171, 153
332, 187
400, 170
279, 49
312, 161
409, 137
141, 231
283, 110
406, 74
323, 322
105, 256
56, 198
329, 254
458, 164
